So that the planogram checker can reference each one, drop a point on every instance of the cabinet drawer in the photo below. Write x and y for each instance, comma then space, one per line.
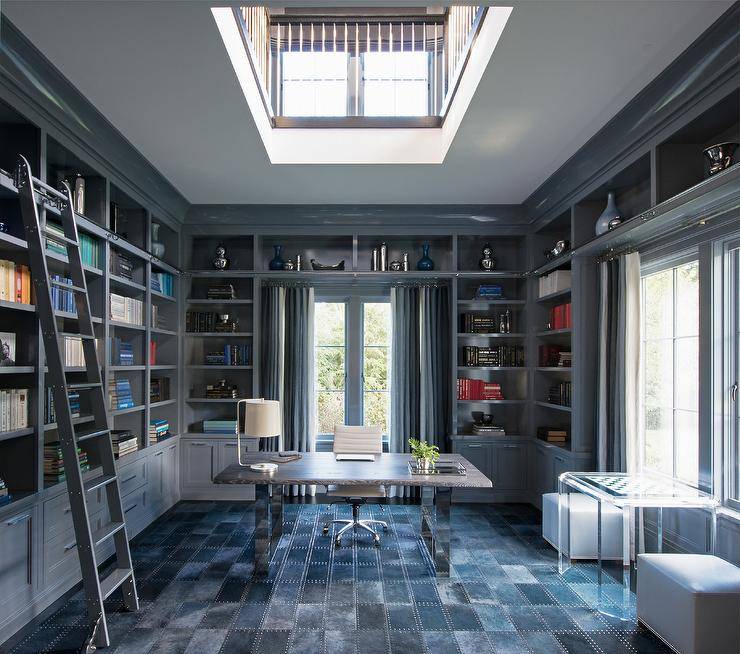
17, 576
60, 556
132, 476
58, 514
135, 507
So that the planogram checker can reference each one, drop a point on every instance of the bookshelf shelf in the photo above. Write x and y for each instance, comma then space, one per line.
208, 400
492, 401
122, 282
237, 302
163, 296
17, 306
163, 367
556, 407
163, 332
494, 368
157, 405
123, 412
555, 332
483, 304
556, 369
126, 325
224, 367
218, 334
490, 335
126, 368
17, 370
50, 426
553, 297
224, 274
16, 433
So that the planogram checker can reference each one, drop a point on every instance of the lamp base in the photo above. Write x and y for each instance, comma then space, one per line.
264, 467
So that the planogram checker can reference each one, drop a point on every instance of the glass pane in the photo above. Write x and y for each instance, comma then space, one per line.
687, 373
377, 323
330, 368
314, 83
395, 83
329, 323
375, 368
687, 446
658, 373
658, 305
330, 411
659, 439
377, 409
687, 299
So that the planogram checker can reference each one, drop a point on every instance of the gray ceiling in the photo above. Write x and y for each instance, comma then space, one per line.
159, 72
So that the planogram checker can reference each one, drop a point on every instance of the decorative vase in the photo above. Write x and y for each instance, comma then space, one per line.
277, 263
487, 263
157, 245
425, 263
425, 464
720, 156
609, 214
221, 261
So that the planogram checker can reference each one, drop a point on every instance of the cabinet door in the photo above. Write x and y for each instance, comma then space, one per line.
199, 458
479, 454
510, 466
16, 561
169, 474
560, 465
227, 454
156, 478
543, 471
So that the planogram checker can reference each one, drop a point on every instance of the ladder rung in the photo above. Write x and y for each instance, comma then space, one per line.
113, 581
98, 482
87, 435
66, 287
83, 385
54, 236
107, 531
84, 337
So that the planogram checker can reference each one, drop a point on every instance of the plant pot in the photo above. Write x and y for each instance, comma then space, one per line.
425, 464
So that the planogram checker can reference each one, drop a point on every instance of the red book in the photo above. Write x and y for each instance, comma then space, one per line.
568, 316
152, 353
18, 283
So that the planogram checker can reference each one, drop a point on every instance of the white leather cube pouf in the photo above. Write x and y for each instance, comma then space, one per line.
583, 526
691, 601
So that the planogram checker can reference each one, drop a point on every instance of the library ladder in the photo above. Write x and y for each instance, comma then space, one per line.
95, 437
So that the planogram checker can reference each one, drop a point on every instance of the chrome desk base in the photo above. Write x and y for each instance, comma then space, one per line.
434, 526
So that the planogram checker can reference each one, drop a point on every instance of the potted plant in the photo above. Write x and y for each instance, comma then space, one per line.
425, 454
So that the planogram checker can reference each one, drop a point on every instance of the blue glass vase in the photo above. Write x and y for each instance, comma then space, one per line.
425, 263
277, 263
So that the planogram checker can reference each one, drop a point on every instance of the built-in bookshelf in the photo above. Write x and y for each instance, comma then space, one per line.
121, 273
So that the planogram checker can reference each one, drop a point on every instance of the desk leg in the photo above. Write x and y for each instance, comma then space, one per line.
427, 527
435, 526
563, 527
268, 524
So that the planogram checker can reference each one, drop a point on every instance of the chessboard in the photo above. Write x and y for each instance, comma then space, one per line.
621, 486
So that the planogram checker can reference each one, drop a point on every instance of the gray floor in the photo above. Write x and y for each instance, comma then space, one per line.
198, 593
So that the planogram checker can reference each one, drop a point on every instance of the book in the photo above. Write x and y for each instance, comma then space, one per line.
7, 349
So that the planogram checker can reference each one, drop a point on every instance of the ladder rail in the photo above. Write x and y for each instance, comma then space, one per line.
96, 589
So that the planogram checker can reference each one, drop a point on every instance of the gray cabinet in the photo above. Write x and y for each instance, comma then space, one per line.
202, 459
17, 565
509, 466
550, 461
170, 475
503, 462
199, 463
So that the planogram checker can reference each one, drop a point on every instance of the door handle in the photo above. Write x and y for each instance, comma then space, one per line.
131, 508
128, 479
198, 444
18, 519
70, 546
733, 392
158, 454
475, 446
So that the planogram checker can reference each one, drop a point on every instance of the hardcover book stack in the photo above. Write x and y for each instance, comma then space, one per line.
5, 496
159, 389
476, 323
560, 317
152, 352
120, 394
121, 265
15, 282
89, 251
219, 426
549, 356
124, 442
74, 357
122, 352
508, 356
477, 389
488, 430
13, 409
556, 435
557, 280
222, 390
62, 300
201, 321
54, 463
489, 292
50, 414
221, 292
162, 282
231, 355
126, 309
560, 394
158, 430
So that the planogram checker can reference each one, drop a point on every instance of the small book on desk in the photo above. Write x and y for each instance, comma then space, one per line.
355, 457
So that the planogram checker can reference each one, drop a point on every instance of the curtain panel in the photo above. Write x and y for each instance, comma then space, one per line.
272, 301
618, 380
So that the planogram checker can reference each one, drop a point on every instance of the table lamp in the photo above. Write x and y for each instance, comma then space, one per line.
262, 419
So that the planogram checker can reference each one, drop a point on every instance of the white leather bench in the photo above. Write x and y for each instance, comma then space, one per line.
583, 526
690, 601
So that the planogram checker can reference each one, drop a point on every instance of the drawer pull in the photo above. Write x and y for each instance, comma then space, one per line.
158, 454
18, 519
131, 508
68, 509
70, 546
475, 446
198, 444
229, 444
128, 479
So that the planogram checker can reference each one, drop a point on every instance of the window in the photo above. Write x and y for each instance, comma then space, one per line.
314, 83
732, 465
670, 393
395, 83
352, 356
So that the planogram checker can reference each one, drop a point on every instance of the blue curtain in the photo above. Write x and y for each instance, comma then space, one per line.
272, 299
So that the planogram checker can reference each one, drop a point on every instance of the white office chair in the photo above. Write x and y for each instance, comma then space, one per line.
350, 439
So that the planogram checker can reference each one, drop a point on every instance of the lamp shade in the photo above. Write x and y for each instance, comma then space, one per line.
262, 418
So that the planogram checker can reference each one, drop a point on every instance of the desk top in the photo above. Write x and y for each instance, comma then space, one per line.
321, 468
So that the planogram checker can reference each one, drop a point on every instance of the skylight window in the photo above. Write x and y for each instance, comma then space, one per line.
395, 83
314, 83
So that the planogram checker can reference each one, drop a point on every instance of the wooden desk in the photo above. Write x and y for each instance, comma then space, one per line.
321, 468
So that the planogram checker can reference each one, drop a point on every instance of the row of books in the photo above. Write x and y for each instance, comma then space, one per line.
557, 280
555, 356
477, 389
121, 352
13, 409
50, 414
126, 309
219, 426
231, 355
89, 250
508, 356
489, 292
54, 471
74, 355
560, 317
558, 435
159, 318
62, 300
5, 497
15, 282
222, 390
560, 394
119, 391
201, 321
158, 430
477, 323
121, 265
124, 442
159, 389
162, 282
221, 292
488, 430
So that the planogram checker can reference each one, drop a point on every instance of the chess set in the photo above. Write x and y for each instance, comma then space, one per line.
622, 486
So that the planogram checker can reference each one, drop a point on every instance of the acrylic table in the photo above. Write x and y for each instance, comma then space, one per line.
321, 468
628, 493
